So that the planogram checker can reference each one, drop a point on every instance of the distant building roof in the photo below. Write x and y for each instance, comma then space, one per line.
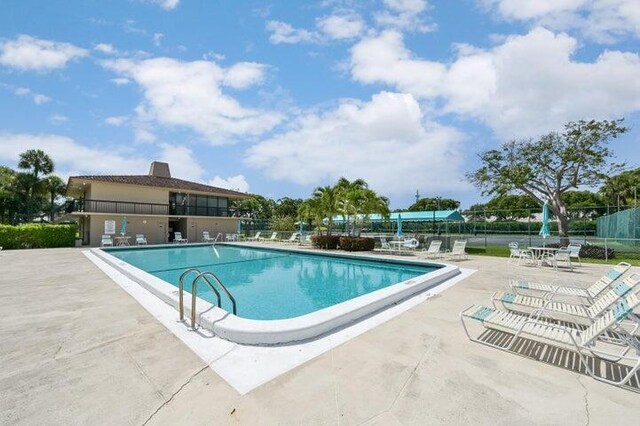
421, 216
160, 177
160, 182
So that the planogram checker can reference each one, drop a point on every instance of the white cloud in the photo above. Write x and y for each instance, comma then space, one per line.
30, 53
70, 157
40, 99
157, 39
181, 161
525, 86
105, 48
341, 26
37, 98
405, 15
57, 119
243, 75
120, 81
189, 94
385, 59
281, 32
165, 4
235, 183
117, 120
601, 20
386, 141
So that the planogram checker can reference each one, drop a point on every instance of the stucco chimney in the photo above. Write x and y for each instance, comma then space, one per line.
160, 169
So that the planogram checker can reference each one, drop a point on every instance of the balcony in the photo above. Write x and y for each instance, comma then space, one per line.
126, 207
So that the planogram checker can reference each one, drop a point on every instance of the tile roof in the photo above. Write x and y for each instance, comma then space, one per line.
161, 182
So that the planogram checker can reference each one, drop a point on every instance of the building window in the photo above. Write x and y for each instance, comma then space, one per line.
197, 205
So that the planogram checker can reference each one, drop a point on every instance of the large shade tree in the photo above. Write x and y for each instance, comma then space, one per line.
621, 189
548, 167
436, 203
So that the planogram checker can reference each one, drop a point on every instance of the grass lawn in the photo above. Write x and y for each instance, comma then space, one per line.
497, 251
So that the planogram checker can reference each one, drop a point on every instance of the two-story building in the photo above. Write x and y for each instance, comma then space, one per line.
156, 205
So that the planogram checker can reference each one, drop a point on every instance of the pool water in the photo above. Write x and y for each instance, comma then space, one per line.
271, 284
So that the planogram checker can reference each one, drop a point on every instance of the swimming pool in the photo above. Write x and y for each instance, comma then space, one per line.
282, 295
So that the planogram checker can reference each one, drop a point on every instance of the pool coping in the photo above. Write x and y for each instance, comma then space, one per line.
290, 330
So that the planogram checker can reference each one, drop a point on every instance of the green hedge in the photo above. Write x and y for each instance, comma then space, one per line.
37, 236
575, 226
357, 243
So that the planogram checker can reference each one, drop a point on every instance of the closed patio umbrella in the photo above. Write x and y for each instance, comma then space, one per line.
399, 225
123, 226
545, 230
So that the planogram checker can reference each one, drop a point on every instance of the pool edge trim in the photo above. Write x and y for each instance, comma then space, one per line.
290, 330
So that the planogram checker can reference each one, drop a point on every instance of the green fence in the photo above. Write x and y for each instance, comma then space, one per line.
624, 224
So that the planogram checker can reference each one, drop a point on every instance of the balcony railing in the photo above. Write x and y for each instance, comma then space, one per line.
126, 207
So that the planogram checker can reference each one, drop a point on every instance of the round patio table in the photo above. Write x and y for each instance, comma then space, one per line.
539, 252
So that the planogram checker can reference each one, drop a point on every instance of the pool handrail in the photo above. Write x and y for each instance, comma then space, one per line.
181, 289
194, 291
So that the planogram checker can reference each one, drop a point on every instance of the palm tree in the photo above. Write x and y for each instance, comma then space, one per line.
351, 197
310, 210
327, 197
54, 186
36, 162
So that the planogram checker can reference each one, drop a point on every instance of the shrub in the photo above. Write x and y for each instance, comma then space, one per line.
327, 242
592, 252
282, 224
37, 236
357, 243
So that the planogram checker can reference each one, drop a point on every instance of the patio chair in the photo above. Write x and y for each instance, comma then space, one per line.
458, 251
141, 240
575, 248
515, 252
206, 238
586, 342
434, 249
384, 245
106, 241
562, 255
255, 237
578, 314
584, 295
307, 240
177, 238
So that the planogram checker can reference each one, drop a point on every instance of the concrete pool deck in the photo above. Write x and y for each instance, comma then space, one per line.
77, 349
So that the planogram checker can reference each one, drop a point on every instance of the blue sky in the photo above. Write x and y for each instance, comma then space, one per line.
279, 97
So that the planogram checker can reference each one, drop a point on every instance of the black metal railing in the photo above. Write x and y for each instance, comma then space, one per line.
127, 207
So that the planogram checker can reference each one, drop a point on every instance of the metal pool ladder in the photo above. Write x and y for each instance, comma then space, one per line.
194, 290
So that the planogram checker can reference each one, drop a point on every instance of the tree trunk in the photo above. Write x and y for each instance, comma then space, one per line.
560, 210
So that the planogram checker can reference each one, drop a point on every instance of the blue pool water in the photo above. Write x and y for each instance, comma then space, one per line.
272, 284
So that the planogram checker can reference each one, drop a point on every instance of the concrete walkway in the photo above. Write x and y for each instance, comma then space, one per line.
76, 349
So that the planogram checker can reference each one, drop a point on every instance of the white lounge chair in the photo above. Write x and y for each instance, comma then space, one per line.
292, 239
578, 314
255, 237
141, 240
515, 252
106, 241
307, 240
434, 249
273, 238
458, 251
583, 295
206, 238
586, 342
575, 248
410, 244
177, 238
